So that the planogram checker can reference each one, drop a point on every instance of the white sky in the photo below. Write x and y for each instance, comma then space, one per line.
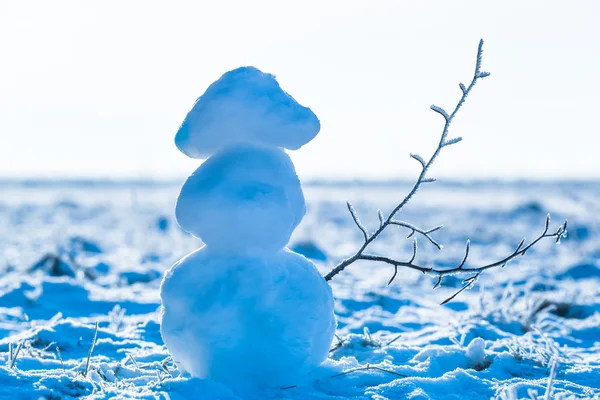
98, 89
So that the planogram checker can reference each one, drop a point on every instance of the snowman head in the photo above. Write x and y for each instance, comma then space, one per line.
245, 106
245, 198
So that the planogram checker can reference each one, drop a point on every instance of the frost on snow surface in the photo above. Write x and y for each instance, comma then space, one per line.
244, 198
535, 310
245, 106
247, 321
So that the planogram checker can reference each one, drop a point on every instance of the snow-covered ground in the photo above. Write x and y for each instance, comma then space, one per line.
105, 247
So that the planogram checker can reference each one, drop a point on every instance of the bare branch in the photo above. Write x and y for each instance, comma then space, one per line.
417, 230
435, 229
397, 264
479, 58
467, 283
475, 272
440, 111
464, 260
520, 244
419, 159
422, 176
460, 269
393, 276
414, 251
357, 221
452, 141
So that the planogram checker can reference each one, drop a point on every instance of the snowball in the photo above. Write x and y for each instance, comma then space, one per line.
245, 198
476, 352
245, 106
247, 320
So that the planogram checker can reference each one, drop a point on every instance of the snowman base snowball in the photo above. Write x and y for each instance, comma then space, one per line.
247, 321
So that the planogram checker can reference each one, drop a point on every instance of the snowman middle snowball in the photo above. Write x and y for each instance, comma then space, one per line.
243, 309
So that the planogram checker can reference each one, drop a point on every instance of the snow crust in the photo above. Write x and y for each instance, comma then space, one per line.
247, 321
246, 198
245, 105
542, 307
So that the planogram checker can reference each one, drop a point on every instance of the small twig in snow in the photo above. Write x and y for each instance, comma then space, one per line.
87, 363
367, 368
338, 345
393, 340
133, 360
550, 388
60, 358
13, 359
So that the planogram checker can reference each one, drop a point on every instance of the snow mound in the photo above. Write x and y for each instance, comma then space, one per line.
247, 321
246, 198
245, 106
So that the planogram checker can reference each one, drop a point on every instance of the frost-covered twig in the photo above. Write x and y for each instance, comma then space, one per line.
133, 360
550, 387
339, 344
384, 222
367, 368
13, 358
87, 363
461, 269
60, 358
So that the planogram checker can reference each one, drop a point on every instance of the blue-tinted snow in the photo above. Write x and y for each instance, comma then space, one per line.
498, 339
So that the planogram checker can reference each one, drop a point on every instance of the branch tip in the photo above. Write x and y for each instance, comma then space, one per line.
419, 159
441, 111
393, 276
414, 251
357, 221
452, 141
520, 245
381, 219
464, 260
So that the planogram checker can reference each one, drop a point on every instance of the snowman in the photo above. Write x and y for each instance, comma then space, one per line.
245, 310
